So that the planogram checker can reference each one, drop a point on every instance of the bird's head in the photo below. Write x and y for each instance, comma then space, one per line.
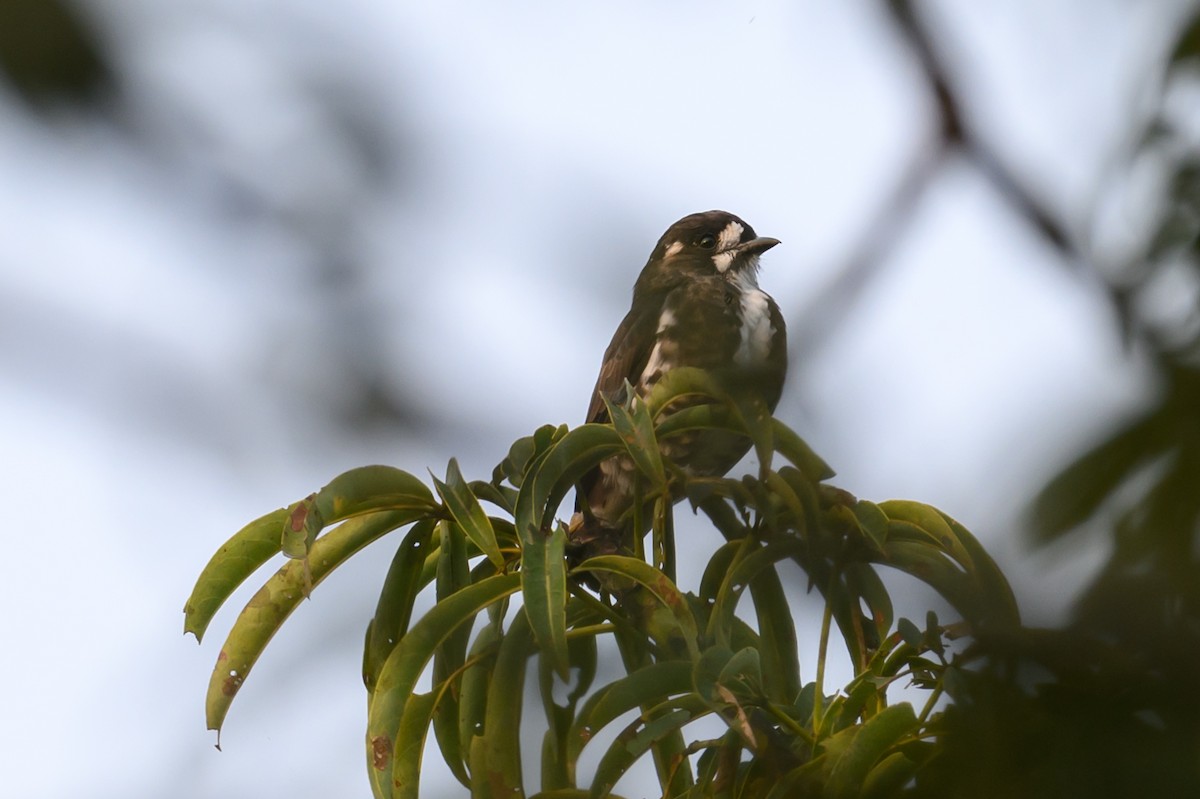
705, 244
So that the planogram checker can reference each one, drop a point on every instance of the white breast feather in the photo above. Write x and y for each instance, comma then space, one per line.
757, 329
657, 364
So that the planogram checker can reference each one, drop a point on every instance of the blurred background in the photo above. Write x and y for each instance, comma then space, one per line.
245, 246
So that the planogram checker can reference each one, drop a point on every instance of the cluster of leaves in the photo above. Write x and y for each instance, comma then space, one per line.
686, 655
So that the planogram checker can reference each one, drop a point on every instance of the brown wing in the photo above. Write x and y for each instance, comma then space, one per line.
624, 359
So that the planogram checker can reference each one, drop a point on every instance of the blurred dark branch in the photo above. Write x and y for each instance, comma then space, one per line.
958, 135
955, 138
50, 53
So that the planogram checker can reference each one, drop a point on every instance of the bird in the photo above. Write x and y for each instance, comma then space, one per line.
696, 303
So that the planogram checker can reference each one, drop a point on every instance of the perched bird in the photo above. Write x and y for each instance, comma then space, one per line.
696, 303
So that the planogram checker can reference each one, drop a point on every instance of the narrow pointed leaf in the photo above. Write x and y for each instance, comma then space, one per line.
659, 724
651, 685
476, 683
543, 567
393, 612
501, 741
544, 588
657, 583
238, 558
466, 510
269, 608
849, 770
370, 488
366, 489
802, 456
404, 666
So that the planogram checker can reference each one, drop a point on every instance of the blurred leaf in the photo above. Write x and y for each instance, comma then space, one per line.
873, 520
237, 559
848, 770
910, 632
1079, 490
888, 776
792, 447
276, 600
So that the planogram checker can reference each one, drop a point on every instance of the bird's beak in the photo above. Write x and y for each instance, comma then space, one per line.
756, 246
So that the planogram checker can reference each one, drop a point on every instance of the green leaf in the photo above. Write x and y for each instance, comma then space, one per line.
931, 524
404, 666
476, 680
1002, 604
863, 581
684, 382
745, 570
1079, 490
848, 771
661, 588
301, 527
887, 777
394, 609
502, 722
873, 521
269, 608
568, 460
636, 430
466, 510
936, 570
525, 452
777, 629
453, 574
544, 588
415, 717
502, 497
237, 559
371, 488
911, 633
366, 489
543, 565
657, 724
651, 685
794, 448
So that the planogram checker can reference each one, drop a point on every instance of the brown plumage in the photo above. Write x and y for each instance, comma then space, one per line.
696, 303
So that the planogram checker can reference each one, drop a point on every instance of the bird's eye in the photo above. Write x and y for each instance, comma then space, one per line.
707, 241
